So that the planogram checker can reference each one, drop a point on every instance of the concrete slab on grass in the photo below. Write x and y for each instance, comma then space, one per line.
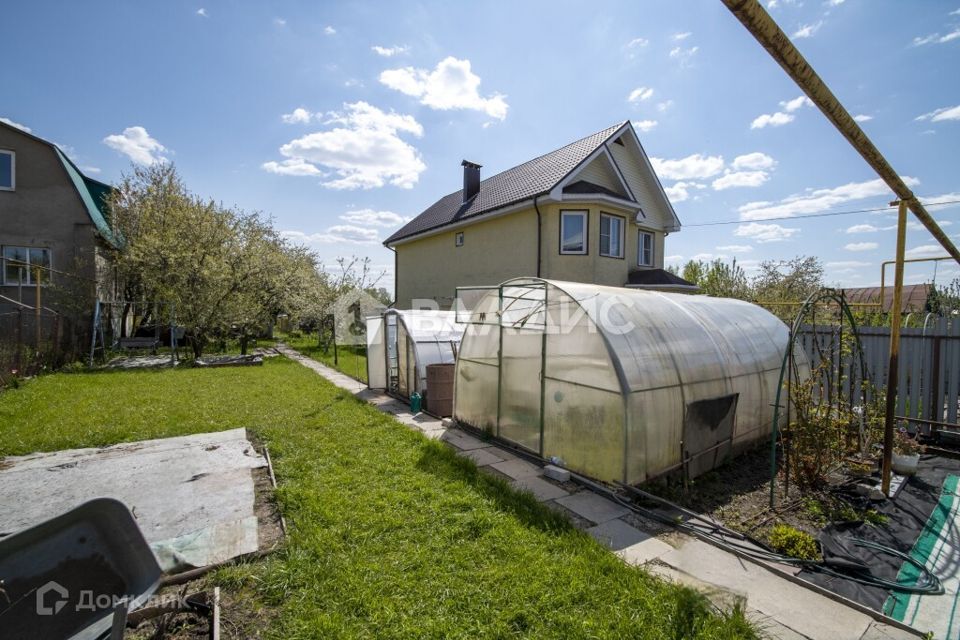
517, 468
593, 507
482, 457
618, 536
540, 488
463, 441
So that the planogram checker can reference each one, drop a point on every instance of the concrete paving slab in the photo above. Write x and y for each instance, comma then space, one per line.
790, 604
880, 631
517, 468
540, 488
595, 508
643, 551
617, 535
463, 441
770, 628
482, 457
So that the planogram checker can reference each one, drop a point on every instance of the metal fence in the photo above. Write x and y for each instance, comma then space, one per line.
30, 342
929, 366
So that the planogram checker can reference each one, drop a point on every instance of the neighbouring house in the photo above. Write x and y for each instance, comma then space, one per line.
593, 211
53, 221
915, 296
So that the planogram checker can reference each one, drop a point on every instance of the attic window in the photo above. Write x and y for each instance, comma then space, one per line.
619, 141
7, 170
458, 239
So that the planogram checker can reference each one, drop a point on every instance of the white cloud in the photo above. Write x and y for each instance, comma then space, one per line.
846, 264
663, 106
740, 179
389, 52
764, 232
451, 85
681, 36
280, 22
936, 38
680, 191
88, 169
693, 167
10, 122
370, 217
736, 248
329, 31
685, 56
861, 246
796, 103
753, 162
644, 125
637, 43
202, 13
939, 115
862, 117
808, 30
297, 116
365, 150
862, 228
771, 119
640, 94
337, 234
818, 200
834, 3
136, 144
925, 251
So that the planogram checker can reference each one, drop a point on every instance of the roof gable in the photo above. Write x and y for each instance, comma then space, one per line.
532, 178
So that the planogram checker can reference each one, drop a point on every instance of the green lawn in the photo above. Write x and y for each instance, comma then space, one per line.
351, 360
392, 535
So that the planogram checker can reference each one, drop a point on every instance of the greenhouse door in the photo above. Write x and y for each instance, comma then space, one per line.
708, 434
520, 374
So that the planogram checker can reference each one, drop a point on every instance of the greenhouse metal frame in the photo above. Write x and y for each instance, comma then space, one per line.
619, 384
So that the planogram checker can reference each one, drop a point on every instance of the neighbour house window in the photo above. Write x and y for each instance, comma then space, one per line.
611, 235
7, 170
20, 265
458, 239
645, 249
573, 232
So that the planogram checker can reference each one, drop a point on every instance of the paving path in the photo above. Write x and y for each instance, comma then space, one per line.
780, 606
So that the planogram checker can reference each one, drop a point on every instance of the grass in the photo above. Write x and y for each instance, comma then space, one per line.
392, 535
351, 359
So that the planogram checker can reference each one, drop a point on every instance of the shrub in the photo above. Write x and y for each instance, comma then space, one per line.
793, 542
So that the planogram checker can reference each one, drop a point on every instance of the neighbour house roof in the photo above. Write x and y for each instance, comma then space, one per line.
914, 296
659, 278
93, 194
532, 178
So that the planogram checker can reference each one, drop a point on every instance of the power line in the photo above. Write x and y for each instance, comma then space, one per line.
811, 215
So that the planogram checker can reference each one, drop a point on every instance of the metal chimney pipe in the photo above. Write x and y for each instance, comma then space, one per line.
471, 179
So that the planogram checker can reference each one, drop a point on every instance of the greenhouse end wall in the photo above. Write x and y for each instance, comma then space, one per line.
619, 384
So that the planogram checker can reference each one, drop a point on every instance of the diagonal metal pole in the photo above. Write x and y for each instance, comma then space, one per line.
759, 23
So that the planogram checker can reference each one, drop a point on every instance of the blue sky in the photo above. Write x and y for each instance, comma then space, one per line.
342, 119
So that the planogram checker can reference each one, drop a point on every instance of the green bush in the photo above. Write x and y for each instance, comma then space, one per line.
793, 542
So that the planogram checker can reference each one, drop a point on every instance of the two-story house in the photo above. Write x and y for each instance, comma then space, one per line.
53, 222
592, 211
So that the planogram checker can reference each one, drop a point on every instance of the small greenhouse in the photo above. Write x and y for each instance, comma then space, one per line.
619, 384
401, 344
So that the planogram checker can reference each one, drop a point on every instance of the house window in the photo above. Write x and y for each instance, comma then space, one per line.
645, 249
611, 235
458, 239
573, 232
8, 166
20, 265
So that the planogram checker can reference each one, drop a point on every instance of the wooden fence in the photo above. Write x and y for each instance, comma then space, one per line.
929, 367
27, 351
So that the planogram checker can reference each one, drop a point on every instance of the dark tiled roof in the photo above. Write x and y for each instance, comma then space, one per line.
584, 187
508, 187
658, 277
914, 296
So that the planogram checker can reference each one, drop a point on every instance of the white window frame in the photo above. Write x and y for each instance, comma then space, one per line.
28, 281
584, 215
13, 169
622, 224
653, 246
458, 239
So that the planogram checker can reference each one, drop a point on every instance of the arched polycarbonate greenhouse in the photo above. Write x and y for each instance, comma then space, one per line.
619, 384
400, 345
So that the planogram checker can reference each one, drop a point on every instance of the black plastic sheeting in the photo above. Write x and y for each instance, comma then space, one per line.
907, 513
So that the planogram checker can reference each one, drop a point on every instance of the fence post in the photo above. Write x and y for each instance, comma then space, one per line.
893, 366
